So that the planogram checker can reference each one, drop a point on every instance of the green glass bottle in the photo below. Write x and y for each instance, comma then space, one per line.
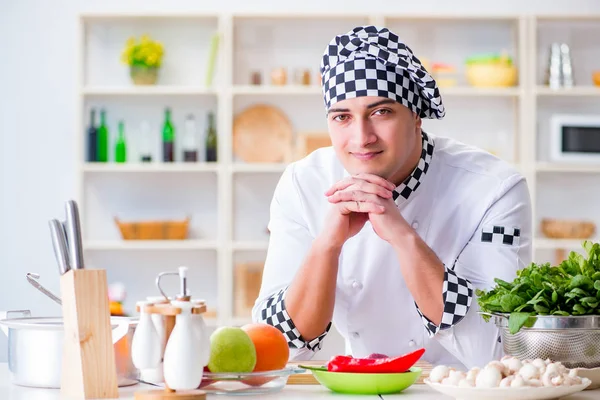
102, 137
168, 138
211, 139
121, 145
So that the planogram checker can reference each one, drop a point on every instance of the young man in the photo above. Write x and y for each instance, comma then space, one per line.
388, 233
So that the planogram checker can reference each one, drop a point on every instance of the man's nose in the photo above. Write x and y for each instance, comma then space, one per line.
363, 134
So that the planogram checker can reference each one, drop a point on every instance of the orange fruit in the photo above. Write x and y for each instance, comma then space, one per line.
272, 351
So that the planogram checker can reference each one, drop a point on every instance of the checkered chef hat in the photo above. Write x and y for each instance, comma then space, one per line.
371, 61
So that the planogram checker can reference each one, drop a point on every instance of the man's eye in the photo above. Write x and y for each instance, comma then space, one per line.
382, 111
340, 118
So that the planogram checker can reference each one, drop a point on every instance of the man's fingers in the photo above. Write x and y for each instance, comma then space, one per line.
357, 195
376, 180
363, 186
360, 179
346, 207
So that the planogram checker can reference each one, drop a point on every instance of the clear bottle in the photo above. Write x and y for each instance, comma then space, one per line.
189, 142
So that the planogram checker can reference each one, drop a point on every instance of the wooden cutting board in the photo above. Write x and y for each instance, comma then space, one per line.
262, 134
307, 378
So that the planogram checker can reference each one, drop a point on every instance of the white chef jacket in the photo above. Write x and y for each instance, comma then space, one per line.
470, 207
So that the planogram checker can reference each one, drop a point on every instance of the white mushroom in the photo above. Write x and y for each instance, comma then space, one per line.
548, 361
439, 373
506, 382
553, 368
512, 365
472, 374
499, 366
466, 383
529, 371
558, 380
534, 382
540, 364
454, 378
489, 377
573, 373
518, 381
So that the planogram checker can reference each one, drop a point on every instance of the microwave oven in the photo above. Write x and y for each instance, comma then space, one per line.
575, 138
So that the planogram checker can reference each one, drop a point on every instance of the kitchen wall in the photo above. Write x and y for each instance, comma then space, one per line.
37, 112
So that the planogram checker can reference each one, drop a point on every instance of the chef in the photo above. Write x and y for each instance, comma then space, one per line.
388, 233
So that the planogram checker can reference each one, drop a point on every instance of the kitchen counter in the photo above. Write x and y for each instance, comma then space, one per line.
8, 391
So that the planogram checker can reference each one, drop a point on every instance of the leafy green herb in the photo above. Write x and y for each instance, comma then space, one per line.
570, 288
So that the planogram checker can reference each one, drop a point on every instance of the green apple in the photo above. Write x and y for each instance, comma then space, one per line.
231, 350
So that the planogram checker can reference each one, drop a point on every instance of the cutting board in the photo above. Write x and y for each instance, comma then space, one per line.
307, 377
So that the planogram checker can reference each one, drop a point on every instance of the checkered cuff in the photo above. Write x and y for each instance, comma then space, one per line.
457, 296
275, 314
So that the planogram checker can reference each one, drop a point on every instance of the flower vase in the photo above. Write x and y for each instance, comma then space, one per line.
143, 75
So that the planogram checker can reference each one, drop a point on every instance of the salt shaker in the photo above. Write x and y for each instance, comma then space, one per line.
183, 369
145, 346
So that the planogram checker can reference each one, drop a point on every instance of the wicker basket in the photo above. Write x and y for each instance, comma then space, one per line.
567, 229
154, 230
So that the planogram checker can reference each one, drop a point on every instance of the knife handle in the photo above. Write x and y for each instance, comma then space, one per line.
59, 243
73, 225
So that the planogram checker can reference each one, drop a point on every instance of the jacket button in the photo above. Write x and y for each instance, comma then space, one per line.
356, 285
411, 343
355, 335
415, 225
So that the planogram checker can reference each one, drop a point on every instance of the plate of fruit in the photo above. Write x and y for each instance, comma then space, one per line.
250, 359
376, 374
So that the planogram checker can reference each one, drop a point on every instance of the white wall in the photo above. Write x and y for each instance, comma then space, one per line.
37, 110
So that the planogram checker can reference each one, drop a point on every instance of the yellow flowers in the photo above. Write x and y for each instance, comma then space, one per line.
145, 52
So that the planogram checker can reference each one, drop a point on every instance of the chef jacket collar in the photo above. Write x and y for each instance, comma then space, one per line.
413, 181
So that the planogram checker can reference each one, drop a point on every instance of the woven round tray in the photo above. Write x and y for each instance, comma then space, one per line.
262, 133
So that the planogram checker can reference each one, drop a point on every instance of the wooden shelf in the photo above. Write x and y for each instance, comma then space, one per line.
250, 245
553, 244
190, 244
468, 91
256, 167
154, 167
276, 90
570, 168
158, 90
574, 91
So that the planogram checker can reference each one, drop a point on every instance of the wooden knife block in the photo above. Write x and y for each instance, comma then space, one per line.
88, 362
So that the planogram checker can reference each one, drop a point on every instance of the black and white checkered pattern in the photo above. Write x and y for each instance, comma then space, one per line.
457, 297
501, 235
371, 61
413, 181
275, 314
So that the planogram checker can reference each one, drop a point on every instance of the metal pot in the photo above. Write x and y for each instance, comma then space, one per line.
35, 348
572, 340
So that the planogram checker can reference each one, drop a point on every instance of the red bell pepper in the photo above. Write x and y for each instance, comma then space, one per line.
375, 365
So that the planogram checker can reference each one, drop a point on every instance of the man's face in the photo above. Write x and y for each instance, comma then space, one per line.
374, 135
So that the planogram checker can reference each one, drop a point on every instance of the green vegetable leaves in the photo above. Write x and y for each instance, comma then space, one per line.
570, 288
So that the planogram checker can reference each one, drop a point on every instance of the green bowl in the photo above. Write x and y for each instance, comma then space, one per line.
365, 383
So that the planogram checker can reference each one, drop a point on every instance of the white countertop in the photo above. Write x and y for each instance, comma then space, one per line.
8, 391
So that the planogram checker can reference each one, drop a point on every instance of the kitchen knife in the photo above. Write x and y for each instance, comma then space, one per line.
59, 243
73, 225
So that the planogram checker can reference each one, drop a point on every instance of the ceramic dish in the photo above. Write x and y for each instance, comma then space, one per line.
247, 383
367, 383
521, 393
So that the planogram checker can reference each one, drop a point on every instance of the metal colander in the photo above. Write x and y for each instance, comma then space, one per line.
573, 340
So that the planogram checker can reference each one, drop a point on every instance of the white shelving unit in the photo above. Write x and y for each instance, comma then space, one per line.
229, 200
